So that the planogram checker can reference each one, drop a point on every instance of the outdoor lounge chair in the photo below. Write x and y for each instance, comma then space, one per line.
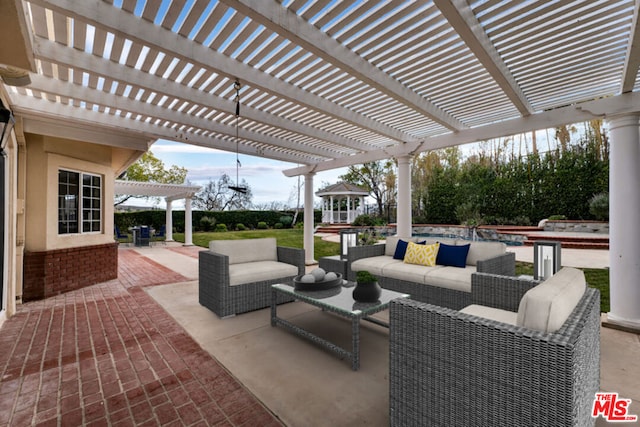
119, 235
235, 276
448, 367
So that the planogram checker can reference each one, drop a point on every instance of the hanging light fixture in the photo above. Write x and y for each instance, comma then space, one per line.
238, 188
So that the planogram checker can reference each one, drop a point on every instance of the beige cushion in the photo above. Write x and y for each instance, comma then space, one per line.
547, 306
392, 241
479, 251
374, 264
408, 272
247, 250
260, 271
455, 278
496, 314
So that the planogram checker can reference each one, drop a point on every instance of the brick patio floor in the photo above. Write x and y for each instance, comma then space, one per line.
109, 355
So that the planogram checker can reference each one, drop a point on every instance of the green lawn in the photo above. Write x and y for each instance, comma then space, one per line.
597, 278
286, 237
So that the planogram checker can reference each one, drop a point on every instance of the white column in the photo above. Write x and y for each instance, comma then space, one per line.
624, 218
403, 222
168, 222
308, 220
349, 209
188, 228
331, 209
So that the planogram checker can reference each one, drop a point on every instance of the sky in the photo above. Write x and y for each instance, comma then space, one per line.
264, 176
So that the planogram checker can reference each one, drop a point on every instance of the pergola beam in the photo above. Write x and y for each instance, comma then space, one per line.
286, 23
42, 108
464, 22
56, 53
632, 58
105, 16
621, 104
81, 93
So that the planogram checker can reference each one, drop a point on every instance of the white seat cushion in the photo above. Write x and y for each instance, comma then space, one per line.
547, 306
455, 278
247, 250
496, 314
407, 272
374, 264
259, 271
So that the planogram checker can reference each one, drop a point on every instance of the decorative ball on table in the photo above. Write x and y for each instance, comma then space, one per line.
317, 280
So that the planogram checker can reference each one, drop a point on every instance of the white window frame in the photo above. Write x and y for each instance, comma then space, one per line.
89, 204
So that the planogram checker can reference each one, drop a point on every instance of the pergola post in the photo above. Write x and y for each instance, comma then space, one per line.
624, 217
168, 222
309, 249
403, 221
188, 228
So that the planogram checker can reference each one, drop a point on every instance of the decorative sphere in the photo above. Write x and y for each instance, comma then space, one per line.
330, 276
318, 274
308, 278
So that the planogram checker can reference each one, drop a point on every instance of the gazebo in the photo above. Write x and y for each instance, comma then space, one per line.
338, 196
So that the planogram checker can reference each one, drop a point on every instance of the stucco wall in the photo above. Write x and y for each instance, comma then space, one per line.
45, 156
56, 263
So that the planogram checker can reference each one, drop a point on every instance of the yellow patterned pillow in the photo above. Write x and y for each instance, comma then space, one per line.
421, 254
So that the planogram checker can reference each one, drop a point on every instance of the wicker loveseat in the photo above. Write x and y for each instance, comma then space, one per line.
235, 276
530, 355
442, 285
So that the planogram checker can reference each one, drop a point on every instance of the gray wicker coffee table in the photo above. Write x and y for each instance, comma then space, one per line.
337, 300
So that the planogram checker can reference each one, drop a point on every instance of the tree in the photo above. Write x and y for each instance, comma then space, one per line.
150, 169
217, 196
375, 177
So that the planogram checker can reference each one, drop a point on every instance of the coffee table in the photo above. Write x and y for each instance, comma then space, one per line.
339, 301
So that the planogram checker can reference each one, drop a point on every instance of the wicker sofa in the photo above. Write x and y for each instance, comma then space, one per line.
235, 276
445, 286
530, 355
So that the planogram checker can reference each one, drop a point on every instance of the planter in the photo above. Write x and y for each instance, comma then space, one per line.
367, 292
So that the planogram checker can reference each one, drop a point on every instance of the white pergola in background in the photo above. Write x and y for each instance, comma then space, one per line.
328, 84
169, 192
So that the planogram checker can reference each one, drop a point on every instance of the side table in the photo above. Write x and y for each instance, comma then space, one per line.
334, 263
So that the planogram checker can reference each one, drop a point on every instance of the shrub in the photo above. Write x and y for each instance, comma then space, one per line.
365, 277
262, 225
364, 219
599, 206
207, 223
278, 225
286, 221
557, 218
468, 214
240, 227
221, 227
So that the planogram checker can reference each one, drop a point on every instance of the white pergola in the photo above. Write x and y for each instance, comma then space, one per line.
327, 84
169, 192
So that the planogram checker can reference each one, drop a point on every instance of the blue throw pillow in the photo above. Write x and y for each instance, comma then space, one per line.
453, 256
401, 249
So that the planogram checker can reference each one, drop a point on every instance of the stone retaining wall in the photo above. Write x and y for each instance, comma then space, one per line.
601, 227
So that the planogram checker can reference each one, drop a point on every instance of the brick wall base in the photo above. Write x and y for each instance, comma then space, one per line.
54, 272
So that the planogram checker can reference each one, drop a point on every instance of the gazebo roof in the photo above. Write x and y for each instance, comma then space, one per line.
324, 84
342, 188
153, 189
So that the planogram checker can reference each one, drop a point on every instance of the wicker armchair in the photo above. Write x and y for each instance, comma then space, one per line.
449, 368
227, 295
